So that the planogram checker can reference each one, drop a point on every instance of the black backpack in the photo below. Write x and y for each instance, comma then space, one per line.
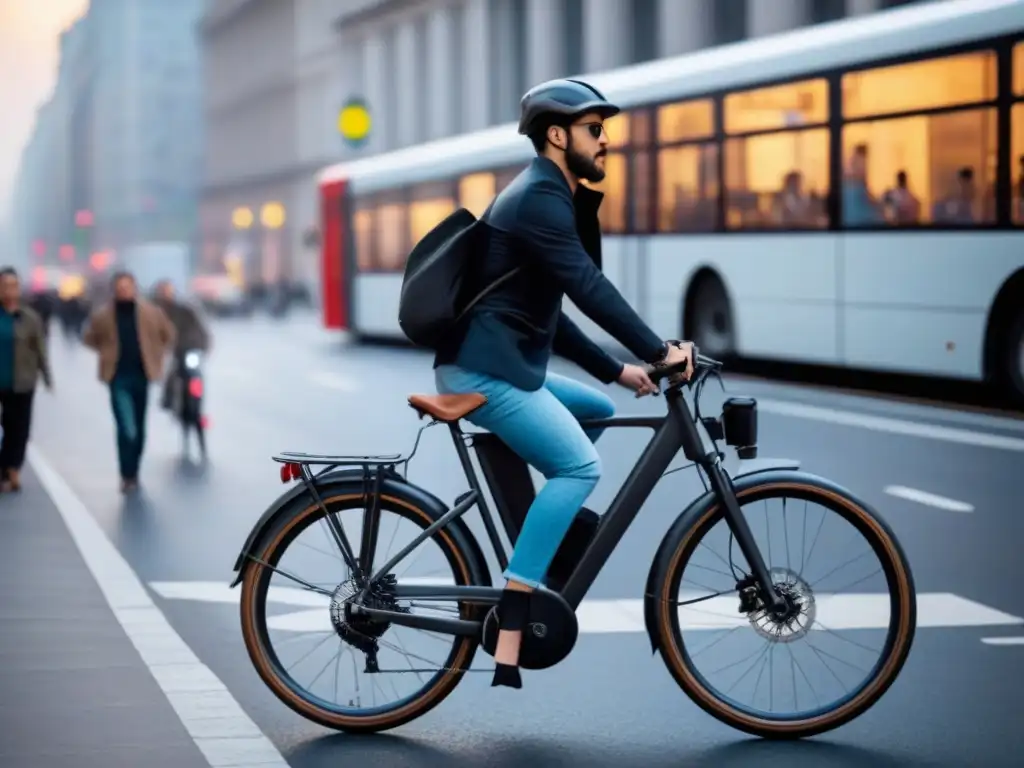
437, 279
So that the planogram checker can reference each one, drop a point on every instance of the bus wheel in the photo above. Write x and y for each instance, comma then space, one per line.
1014, 356
707, 318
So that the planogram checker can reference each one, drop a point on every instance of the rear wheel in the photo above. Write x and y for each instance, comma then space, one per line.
863, 636
333, 644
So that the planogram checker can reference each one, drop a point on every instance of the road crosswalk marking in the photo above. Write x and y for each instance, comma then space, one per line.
836, 612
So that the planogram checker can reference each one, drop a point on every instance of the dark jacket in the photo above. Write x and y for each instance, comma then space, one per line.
537, 223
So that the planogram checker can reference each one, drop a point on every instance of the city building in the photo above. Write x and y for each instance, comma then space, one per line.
116, 154
279, 71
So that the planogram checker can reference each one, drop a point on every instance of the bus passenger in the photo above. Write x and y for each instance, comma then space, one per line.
859, 208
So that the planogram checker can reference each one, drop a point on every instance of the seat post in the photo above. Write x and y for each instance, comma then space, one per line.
474, 483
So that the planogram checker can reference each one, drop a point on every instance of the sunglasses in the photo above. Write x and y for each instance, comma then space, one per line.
594, 129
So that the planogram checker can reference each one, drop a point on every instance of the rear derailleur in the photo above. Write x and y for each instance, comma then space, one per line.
356, 628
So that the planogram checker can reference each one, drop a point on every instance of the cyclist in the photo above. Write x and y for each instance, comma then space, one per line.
547, 221
191, 334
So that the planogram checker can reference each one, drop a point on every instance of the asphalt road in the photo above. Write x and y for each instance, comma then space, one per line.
947, 482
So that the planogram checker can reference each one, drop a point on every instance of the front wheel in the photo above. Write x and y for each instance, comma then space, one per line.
836, 649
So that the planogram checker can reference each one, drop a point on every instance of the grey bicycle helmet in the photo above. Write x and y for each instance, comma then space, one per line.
561, 98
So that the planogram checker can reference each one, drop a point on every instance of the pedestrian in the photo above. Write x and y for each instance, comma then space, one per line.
132, 337
22, 361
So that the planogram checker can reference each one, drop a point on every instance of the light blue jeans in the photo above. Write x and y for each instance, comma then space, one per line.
543, 428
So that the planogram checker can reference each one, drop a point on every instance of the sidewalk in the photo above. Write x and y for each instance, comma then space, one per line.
73, 689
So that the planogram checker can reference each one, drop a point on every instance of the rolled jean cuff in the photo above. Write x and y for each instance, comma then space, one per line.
533, 583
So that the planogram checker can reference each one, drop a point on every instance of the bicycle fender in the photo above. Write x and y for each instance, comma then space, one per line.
766, 472
351, 480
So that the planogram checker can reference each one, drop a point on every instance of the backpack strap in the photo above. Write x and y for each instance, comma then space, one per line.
475, 300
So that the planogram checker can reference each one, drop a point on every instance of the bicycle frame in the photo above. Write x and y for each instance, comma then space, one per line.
678, 430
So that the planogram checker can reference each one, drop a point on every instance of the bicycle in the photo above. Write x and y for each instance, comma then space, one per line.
776, 602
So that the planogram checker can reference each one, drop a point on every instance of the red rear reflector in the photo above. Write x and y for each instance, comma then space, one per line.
195, 387
204, 421
290, 471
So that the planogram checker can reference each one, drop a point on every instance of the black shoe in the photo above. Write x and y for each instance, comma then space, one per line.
513, 614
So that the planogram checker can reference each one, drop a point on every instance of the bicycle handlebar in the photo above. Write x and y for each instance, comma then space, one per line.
701, 364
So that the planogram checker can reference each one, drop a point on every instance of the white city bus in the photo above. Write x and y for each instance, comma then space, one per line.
732, 213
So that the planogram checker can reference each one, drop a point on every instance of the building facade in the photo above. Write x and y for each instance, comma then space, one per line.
280, 70
116, 154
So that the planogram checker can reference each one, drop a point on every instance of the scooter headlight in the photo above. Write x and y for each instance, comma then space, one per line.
192, 360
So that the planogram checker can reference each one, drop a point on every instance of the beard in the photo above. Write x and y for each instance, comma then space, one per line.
583, 167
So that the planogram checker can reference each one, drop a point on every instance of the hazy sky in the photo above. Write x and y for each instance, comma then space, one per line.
29, 31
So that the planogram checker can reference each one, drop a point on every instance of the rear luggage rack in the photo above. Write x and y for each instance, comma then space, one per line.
321, 459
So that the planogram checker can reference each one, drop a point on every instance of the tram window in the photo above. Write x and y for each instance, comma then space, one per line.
389, 237
925, 169
777, 181
688, 188
362, 231
686, 121
1018, 69
612, 212
642, 169
779, 106
476, 192
1017, 163
921, 85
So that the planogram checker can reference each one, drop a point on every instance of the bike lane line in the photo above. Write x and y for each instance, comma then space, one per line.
214, 720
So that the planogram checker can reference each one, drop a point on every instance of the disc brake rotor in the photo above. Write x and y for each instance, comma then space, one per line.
796, 619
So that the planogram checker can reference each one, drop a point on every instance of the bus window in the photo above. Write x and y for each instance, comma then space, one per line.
688, 188
777, 180
617, 129
504, 177
476, 192
641, 128
642, 170
424, 215
686, 121
429, 204
921, 85
389, 237
779, 106
1017, 162
612, 212
1018, 69
925, 169
362, 237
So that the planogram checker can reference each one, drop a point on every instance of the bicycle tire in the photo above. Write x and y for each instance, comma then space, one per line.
898, 641
255, 633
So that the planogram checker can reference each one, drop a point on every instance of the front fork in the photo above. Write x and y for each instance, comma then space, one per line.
761, 579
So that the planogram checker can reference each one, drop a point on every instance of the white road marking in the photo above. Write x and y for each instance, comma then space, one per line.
892, 426
928, 499
334, 381
847, 611
1003, 640
213, 718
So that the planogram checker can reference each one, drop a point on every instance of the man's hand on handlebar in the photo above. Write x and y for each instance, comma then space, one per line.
680, 358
